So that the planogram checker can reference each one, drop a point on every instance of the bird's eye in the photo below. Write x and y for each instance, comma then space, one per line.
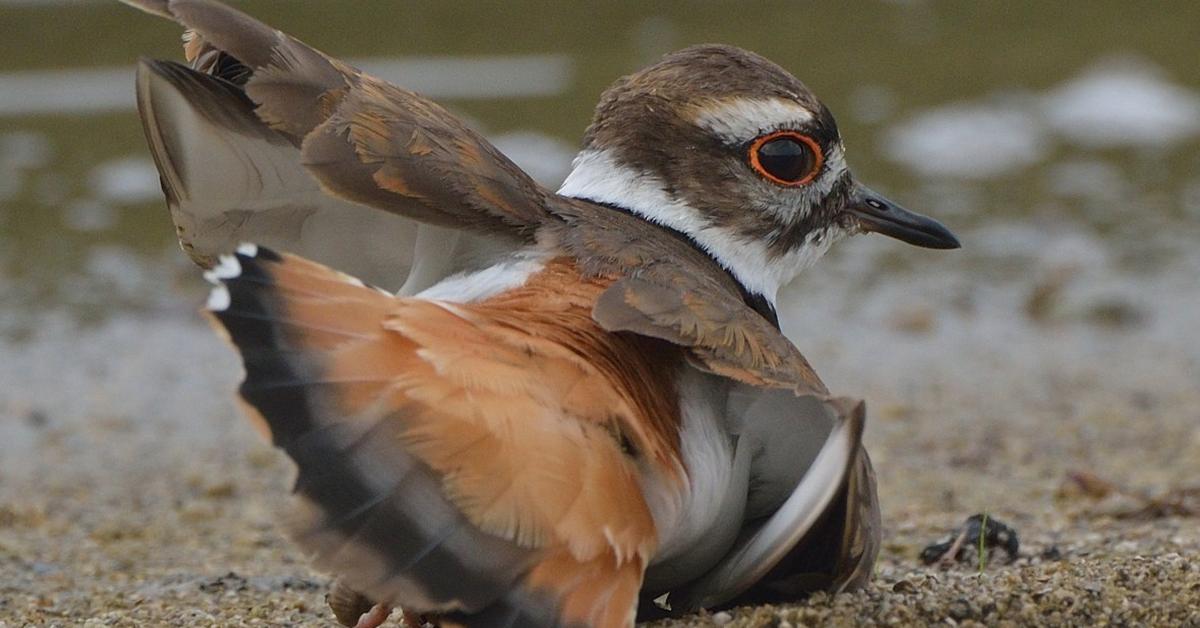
786, 157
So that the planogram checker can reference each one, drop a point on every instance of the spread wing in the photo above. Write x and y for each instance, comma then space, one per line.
450, 459
267, 139
670, 290
264, 138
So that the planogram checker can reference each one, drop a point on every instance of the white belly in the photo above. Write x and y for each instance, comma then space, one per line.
698, 526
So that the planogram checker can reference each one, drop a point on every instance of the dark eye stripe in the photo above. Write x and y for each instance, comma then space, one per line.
786, 157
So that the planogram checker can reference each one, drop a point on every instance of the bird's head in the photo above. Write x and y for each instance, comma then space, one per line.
733, 151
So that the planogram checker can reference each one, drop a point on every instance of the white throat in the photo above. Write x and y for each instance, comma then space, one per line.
596, 176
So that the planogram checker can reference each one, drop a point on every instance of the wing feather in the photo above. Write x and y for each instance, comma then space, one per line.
668, 289
335, 138
378, 145
446, 462
794, 530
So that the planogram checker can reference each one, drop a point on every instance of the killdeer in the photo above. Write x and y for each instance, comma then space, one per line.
578, 402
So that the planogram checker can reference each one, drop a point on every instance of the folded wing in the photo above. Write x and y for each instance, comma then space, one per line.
668, 289
824, 536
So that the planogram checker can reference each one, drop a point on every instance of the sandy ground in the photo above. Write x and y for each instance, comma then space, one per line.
131, 492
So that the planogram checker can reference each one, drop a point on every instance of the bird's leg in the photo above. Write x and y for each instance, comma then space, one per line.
375, 617
356, 610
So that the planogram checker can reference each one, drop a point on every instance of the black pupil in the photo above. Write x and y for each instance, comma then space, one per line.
786, 159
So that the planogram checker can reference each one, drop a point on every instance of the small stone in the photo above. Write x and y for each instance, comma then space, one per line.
219, 490
37, 418
1051, 553
959, 609
722, 618
919, 319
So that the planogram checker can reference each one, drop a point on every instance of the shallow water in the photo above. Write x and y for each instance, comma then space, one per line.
986, 116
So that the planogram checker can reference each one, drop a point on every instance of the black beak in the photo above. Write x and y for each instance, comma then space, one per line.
879, 215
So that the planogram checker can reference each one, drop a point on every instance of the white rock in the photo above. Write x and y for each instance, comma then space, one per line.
968, 140
126, 181
89, 216
1125, 102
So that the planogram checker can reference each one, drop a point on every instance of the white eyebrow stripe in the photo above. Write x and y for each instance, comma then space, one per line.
743, 119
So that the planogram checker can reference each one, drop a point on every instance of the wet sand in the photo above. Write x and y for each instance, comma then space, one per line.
1061, 340
132, 493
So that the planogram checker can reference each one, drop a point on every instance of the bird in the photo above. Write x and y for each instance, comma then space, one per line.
512, 406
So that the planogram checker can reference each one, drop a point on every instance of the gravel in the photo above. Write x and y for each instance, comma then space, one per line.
132, 493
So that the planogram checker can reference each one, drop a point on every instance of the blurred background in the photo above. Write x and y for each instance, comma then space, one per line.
1061, 141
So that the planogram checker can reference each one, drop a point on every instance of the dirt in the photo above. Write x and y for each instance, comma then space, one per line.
132, 493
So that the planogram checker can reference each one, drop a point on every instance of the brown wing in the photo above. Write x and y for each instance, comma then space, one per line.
229, 178
862, 530
816, 540
267, 139
379, 145
460, 459
672, 291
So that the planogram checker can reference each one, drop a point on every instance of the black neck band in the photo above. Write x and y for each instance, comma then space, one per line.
753, 300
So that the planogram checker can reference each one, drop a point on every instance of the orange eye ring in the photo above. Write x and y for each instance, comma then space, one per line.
818, 157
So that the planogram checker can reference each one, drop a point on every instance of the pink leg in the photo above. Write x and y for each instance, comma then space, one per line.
375, 617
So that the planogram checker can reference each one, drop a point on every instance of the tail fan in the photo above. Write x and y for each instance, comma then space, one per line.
414, 483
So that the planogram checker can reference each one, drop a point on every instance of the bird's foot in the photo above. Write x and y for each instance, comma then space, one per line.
375, 617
